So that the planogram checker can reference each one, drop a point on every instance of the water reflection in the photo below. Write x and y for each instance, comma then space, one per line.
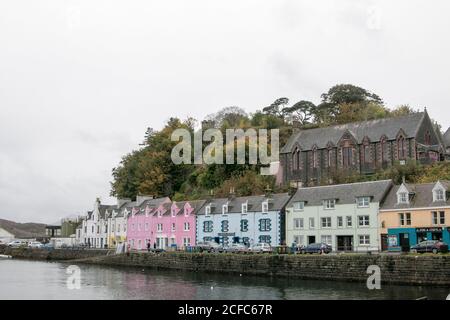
44, 280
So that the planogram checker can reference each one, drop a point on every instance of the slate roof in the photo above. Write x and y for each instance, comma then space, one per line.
373, 129
254, 203
421, 196
343, 194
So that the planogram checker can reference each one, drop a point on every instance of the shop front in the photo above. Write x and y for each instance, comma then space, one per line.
401, 239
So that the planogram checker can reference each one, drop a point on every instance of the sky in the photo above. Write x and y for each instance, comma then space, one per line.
80, 81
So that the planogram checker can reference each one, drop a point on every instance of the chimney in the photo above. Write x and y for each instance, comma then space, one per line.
404, 180
141, 198
231, 194
268, 191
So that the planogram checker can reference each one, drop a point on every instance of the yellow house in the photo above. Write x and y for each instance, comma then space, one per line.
413, 213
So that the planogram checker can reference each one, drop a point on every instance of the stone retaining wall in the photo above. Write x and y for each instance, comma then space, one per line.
55, 254
401, 269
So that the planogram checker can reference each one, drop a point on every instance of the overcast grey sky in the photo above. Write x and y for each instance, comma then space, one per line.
80, 81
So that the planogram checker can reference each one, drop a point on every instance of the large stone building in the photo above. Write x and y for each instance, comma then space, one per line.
315, 155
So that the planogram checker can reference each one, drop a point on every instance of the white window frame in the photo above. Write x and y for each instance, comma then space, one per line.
328, 222
366, 218
341, 220
225, 209
365, 240
159, 227
187, 226
311, 223
439, 195
403, 198
347, 219
265, 207
324, 239
298, 206
174, 227
329, 204
299, 224
363, 202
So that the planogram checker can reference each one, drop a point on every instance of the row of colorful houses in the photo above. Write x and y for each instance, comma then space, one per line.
359, 217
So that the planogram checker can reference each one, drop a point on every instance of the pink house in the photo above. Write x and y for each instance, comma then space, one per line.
168, 225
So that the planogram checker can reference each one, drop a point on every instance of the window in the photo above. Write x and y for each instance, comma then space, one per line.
224, 226
146, 227
340, 222
265, 225
139, 227
315, 159
439, 195
98, 229
207, 226
347, 157
364, 240
207, 239
244, 208
384, 150
159, 227
299, 239
174, 212
174, 227
326, 222
438, 217
187, 226
405, 219
330, 158
299, 206
265, 239
363, 221
401, 148
367, 154
363, 202
244, 225
403, 198
326, 239
298, 223
311, 223
225, 209
265, 207
187, 242
207, 210
329, 204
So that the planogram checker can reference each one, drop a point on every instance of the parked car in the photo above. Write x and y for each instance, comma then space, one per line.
237, 248
209, 246
433, 246
316, 248
35, 244
49, 246
261, 248
16, 244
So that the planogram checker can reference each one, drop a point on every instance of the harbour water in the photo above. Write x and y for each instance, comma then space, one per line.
20, 279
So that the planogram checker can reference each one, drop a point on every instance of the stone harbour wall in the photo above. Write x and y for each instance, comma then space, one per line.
399, 269
55, 254
426, 270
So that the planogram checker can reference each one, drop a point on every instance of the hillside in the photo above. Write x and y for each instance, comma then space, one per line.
23, 230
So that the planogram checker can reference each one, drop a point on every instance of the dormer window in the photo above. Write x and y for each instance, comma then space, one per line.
207, 210
225, 209
403, 198
439, 195
244, 208
265, 207
174, 212
299, 205
363, 202
329, 204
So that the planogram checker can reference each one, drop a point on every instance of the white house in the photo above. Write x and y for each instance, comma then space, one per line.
343, 216
249, 220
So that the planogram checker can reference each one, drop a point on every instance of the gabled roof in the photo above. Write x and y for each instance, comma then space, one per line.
254, 203
421, 197
373, 129
343, 193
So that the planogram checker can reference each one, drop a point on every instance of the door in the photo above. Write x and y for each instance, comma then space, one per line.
404, 242
311, 239
384, 242
345, 243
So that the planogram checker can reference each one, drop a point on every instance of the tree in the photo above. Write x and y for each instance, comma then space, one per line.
274, 108
348, 93
302, 111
